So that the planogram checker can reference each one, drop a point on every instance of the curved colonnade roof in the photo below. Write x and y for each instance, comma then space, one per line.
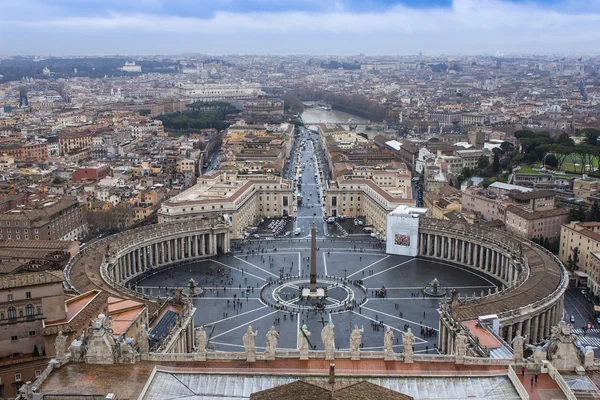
545, 274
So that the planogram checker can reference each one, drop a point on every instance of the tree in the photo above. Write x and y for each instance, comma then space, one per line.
591, 136
144, 111
483, 162
57, 180
466, 172
293, 102
595, 213
546, 243
496, 163
565, 140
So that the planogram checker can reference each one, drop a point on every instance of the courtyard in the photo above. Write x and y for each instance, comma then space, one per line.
259, 285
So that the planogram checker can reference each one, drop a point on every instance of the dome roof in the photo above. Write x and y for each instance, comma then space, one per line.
555, 108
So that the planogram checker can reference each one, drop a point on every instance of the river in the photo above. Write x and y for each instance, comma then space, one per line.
329, 117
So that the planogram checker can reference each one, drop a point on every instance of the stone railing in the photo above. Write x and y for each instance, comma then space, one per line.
517, 384
554, 374
45, 373
186, 319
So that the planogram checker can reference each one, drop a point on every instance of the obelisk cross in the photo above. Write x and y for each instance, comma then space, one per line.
313, 259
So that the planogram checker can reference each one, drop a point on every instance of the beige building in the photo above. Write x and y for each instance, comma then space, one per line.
531, 224
26, 301
439, 205
583, 238
243, 199
356, 196
583, 189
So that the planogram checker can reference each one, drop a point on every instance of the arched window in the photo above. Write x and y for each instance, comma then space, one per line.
29, 310
39, 311
12, 313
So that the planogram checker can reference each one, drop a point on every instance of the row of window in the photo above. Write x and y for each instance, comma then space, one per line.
14, 338
12, 312
10, 296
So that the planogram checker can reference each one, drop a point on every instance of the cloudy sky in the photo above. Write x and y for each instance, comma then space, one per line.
337, 27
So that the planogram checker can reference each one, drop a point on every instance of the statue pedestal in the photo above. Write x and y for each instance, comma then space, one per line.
389, 356
318, 293
408, 358
304, 354
355, 355
269, 357
200, 356
329, 355
251, 356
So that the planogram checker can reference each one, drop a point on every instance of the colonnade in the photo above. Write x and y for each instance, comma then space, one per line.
163, 251
481, 255
509, 261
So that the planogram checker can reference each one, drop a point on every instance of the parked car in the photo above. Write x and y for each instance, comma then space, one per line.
572, 319
256, 236
583, 292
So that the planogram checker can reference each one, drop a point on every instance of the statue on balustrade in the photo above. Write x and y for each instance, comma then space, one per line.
328, 338
249, 345
388, 343
303, 344
517, 344
59, 347
408, 341
272, 338
355, 342
460, 345
142, 342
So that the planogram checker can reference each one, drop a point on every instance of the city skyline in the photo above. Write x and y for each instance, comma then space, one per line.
66, 27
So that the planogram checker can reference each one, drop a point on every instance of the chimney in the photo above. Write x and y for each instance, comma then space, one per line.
331, 373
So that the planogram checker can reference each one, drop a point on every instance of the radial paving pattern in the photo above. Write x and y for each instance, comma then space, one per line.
233, 286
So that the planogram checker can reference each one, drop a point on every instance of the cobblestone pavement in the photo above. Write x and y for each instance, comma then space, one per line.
232, 287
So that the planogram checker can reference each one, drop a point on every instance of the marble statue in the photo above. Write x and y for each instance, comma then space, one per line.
460, 345
201, 340
142, 341
303, 344
355, 342
408, 341
388, 343
272, 337
76, 351
100, 342
517, 345
59, 346
249, 346
328, 338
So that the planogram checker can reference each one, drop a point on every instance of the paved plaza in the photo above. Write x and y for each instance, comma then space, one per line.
232, 287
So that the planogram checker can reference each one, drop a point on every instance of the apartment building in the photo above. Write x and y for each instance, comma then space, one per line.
26, 300
584, 189
530, 224
70, 141
579, 241
53, 219
356, 196
245, 199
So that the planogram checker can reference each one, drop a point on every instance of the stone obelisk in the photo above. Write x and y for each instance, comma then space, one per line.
313, 259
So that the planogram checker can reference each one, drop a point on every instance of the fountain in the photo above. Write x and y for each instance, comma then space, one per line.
434, 289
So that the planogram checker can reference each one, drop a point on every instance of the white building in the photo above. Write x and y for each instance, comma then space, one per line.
403, 230
131, 67
214, 92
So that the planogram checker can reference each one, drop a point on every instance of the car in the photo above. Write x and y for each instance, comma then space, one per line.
598, 320
572, 319
583, 292
256, 236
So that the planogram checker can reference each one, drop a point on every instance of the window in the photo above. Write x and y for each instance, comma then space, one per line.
12, 313
38, 373
31, 333
29, 310
18, 377
14, 338
10, 297
27, 295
